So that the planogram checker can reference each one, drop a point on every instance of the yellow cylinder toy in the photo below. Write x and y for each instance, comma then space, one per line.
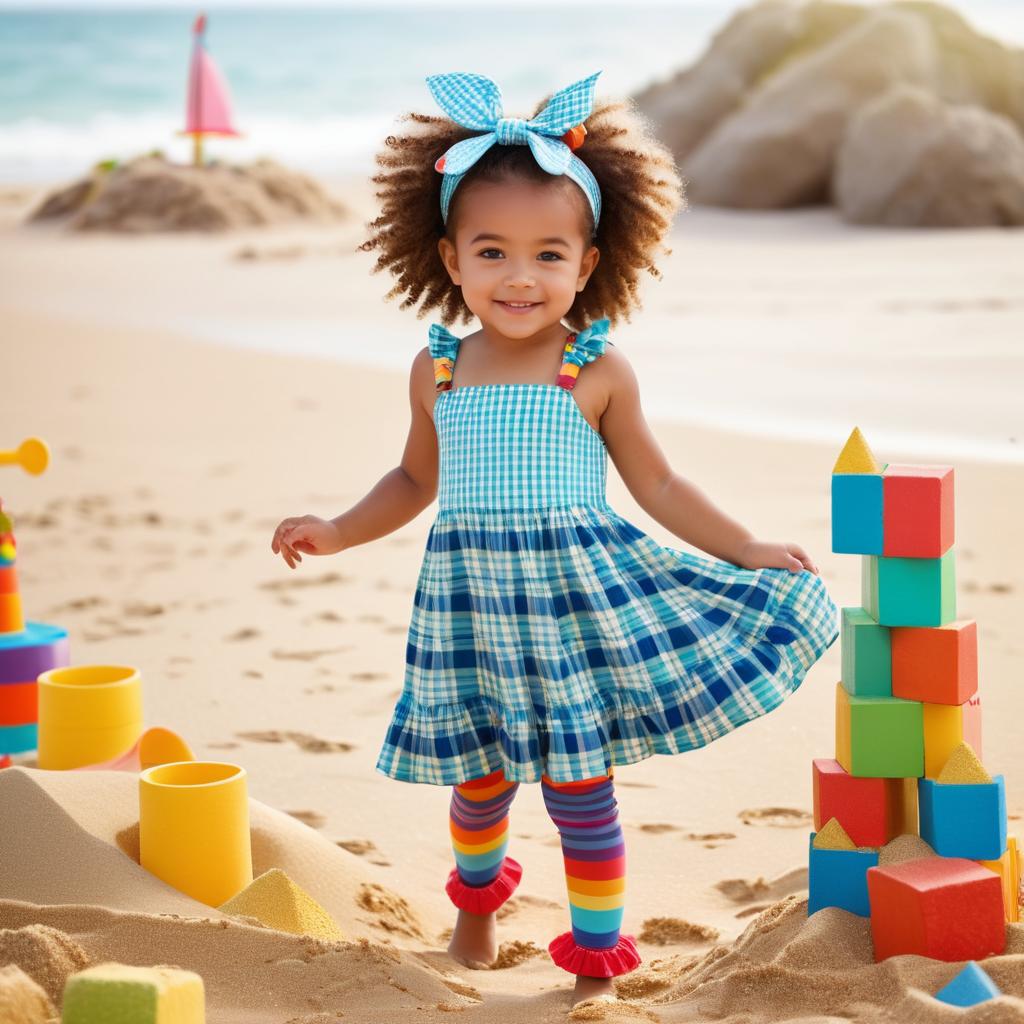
194, 828
87, 713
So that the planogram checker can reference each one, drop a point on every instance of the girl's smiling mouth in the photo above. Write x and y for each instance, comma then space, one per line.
517, 307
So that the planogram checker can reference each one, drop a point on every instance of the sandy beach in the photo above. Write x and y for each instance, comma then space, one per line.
175, 452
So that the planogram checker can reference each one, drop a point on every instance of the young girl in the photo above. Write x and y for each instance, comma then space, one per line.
551, 639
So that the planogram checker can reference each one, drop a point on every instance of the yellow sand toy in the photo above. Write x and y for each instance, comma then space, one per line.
194, 828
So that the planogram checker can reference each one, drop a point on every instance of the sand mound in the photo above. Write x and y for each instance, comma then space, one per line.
22, 1001
784, 966
149, 193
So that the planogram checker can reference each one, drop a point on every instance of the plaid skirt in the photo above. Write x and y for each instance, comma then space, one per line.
565, 640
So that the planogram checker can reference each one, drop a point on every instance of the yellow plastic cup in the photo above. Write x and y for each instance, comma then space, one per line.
194, 828
87, 713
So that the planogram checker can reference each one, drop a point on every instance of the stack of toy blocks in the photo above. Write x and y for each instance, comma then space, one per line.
26, 650
908, 730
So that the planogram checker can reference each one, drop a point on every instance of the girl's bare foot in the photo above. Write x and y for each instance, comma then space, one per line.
592, 988
474, 941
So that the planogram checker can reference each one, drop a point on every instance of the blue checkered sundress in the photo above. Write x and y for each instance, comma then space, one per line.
550, 635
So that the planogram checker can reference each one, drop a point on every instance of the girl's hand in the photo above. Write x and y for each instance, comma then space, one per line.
758, 554
309, 534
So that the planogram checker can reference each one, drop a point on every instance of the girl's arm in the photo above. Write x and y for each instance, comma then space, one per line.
670, 499
405, 491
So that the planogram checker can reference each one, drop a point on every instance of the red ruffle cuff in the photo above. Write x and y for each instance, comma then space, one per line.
595, 963
482, 899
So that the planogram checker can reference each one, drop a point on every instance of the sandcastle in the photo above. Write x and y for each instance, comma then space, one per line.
908, 734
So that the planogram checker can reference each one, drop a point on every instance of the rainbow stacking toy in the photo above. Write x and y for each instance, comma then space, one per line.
908, 730
26, 648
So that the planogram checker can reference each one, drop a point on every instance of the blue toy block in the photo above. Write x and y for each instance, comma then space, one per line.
16, 739
866, 655
970, 987
839, 878
857, 513
909, 591
961, 819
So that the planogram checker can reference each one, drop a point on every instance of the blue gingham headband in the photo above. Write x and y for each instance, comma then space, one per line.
474, 101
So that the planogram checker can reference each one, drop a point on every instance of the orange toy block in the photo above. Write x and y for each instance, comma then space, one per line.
945, 728
1008, 870
946, 908
19, 703
937, 664
917, 511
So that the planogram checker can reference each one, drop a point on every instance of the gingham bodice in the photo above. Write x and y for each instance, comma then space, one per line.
517, 446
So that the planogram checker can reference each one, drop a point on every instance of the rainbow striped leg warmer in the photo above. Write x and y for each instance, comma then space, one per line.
594, 851
483, 876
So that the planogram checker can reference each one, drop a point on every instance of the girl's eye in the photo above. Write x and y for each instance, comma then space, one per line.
547, 252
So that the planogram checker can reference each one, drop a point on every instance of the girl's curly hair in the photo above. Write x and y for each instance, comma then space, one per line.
641, 191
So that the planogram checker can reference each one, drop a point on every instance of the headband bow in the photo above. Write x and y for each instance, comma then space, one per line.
474, 101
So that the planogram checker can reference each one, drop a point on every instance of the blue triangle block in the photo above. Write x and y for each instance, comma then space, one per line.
972, 985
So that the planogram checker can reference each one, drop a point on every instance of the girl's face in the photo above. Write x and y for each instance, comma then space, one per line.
519, 242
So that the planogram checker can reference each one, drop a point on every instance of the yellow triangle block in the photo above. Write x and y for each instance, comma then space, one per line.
963, 766
276, 901
833, 837
856, 456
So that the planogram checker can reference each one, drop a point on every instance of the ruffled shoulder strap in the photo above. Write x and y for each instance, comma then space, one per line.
444, 347
580, 349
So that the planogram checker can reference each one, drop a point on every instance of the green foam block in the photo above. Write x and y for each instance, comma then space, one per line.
121, 994
866, 655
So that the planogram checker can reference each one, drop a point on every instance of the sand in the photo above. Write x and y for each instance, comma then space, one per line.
149, 540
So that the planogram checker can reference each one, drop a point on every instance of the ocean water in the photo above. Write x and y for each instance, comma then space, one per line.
320, 86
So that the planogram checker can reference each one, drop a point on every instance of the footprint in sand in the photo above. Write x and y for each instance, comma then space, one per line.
656, 828
362, 847
307, 655
299, 582
777, 817
741, 890
672, 931
367, 677
224, 745
245, 633
391, 912
314, 819
303, 740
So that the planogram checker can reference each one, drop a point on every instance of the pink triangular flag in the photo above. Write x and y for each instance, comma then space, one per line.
208, 107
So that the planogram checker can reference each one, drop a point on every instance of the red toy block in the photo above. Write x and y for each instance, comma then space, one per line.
935, 664
5, 761
946, 908
917, 511
871, 810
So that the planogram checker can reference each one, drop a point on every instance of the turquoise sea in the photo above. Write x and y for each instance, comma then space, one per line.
320, 86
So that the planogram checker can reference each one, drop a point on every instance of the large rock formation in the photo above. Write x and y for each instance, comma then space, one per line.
909, 159
759, 120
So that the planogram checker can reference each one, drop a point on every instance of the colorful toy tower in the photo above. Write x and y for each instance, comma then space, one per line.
908, 730
26, 648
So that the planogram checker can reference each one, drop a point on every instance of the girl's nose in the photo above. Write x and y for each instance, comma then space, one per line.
517, 277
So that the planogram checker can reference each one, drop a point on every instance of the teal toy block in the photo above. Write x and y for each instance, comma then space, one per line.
909, 591
866, 655
17, 739
970, 987
879, 737
964, 819
839, 878
857, 513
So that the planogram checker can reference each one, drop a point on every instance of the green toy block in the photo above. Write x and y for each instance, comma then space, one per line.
879, 737
866, 655
909, 591
111, 993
